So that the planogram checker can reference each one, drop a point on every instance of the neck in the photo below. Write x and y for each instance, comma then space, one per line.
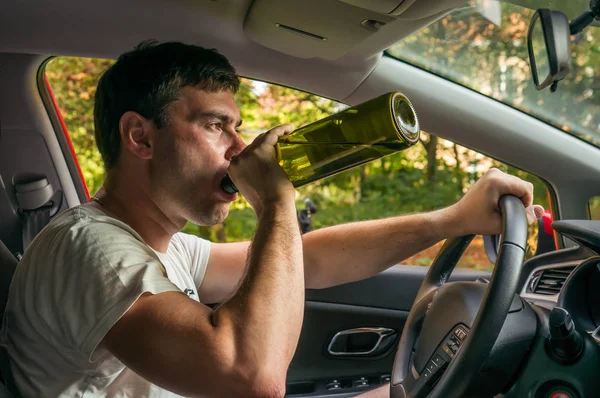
131, 203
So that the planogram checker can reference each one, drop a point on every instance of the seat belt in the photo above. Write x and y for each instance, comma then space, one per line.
37, 201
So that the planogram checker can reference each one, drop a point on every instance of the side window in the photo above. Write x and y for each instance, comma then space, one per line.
594, 205
73, 81
427, 176
423, 178
449, 170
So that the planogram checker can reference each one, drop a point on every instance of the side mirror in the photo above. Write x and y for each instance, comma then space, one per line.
548, 42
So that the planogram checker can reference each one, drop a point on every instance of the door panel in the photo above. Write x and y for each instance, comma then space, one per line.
321, 322
395, 288
381, 301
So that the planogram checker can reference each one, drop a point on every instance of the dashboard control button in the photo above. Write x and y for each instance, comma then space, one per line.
460, 333
333, 385
438, 360
385, 379
426, 375
559, 391
360, 383
455, 340
448, 351
453, 347
431, 366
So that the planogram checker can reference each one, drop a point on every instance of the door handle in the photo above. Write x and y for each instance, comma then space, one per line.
361, 342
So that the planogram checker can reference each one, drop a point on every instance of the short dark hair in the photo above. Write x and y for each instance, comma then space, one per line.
149, 78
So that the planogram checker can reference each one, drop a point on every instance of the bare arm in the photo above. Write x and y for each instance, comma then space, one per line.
379, 392
334, 255
355, 251
359, 250
244, 347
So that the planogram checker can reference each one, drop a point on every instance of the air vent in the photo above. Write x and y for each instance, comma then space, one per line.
549, 281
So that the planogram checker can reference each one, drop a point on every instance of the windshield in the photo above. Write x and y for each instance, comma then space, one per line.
483, 46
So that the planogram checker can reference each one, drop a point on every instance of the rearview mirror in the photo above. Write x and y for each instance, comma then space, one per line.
548, 42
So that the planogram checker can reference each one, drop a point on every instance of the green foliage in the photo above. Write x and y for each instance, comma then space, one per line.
73, 81
432, 174
594, 204
492, 58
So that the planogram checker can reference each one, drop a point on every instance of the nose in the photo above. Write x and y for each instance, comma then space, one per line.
237, 146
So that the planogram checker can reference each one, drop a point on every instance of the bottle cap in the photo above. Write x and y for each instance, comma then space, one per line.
405, 118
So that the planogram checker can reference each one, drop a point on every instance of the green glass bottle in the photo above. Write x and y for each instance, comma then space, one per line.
356, 135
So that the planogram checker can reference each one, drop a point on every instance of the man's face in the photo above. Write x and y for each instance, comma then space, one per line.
192, 154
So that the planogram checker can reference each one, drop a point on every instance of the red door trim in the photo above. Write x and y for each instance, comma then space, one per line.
66, 133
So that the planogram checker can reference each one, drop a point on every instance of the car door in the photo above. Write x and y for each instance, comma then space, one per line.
350, 332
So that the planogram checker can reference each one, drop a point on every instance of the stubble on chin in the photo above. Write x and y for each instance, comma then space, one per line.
221, 215
209, 217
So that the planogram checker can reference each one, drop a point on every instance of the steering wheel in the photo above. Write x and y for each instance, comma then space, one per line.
453, 326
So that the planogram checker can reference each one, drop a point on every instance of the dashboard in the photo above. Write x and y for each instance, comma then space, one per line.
564, 283
569, 278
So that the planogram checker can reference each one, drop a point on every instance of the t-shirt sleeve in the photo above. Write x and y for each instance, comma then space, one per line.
99, 273
197, 251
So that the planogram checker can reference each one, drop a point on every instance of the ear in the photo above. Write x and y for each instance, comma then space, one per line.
137, 134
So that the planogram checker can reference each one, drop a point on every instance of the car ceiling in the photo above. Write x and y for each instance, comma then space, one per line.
243, 30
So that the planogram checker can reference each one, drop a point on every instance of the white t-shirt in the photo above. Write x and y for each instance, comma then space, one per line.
77, 278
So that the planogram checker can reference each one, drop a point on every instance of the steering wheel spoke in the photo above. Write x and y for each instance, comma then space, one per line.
421, 385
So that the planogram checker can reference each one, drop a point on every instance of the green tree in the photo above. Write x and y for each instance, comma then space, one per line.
74, 81
595, 208
493, 59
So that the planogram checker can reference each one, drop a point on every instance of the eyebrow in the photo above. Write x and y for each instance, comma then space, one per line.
218, 115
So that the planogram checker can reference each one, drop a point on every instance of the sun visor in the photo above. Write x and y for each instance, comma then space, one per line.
329, 29
311, 28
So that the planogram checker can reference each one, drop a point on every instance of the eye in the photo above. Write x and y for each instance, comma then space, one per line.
216, 126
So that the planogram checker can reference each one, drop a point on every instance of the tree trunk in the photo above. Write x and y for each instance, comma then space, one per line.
431, 147
363, 181
220, 233
457, 171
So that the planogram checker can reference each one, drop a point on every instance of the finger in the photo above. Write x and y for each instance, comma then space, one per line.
531, 216
539, 210
273, 135
519, 188
256, 141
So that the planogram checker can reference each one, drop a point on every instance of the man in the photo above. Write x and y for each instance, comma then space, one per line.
96, 305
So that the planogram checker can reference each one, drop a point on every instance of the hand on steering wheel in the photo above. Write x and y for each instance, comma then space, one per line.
452, 327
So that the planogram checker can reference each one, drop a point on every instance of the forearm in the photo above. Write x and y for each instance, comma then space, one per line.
356, 251
265, 314
380, 392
